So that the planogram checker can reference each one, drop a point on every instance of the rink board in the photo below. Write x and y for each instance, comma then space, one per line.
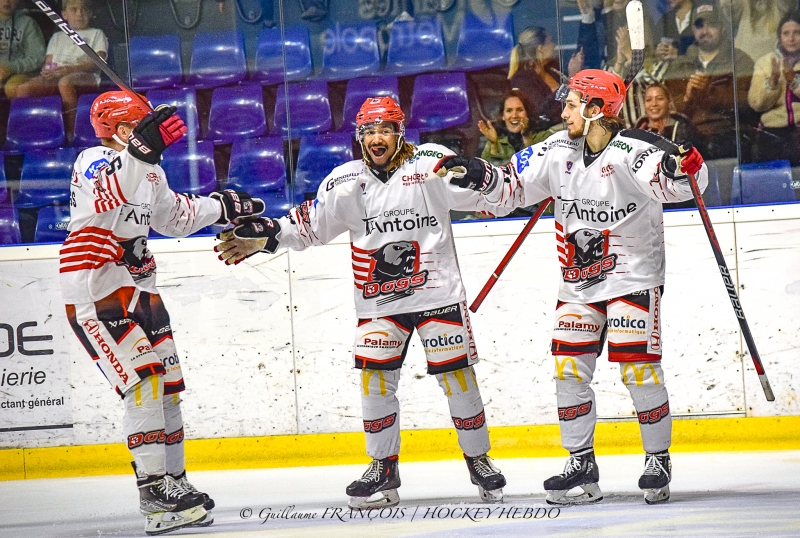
266, 347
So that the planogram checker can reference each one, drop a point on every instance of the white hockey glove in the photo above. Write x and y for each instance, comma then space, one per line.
241, 242
236, 205
468, 173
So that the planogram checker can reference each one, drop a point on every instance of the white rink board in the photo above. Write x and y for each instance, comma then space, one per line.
266, 346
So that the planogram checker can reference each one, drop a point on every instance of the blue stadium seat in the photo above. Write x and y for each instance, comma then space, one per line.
155, 61
236, 112
42, 112
279, 203
3, 183
83, 134
269, 68
45, 178
190, 171
482, 45
51, 224
217, 59
257, 166
350, 51
185, 100
318, 156
415, 47
712, 196
309, 108
762, 183
412, 135
9, 226
439, 101
359, 90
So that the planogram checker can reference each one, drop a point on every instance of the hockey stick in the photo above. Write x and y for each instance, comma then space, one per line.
89, 51
507, 258
729, 286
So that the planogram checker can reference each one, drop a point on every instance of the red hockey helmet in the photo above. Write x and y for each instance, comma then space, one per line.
597, 84
380, 110
112, 108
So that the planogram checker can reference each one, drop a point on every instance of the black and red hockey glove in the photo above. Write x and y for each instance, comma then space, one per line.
236, 205
155, 133
468, 173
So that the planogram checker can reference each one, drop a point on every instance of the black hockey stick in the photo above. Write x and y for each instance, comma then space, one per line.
731, 288
78, 40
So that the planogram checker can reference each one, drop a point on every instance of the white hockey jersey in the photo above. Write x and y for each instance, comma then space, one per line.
404, 258
114, 201
609, 215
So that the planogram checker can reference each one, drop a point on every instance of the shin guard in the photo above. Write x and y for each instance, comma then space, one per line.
381, 412
576, 402
645, 382
143, 426
173, 428
466, 409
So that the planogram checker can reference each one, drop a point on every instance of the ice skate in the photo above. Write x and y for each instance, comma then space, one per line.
381, 477
167, 506
581, 471
487, 477
656, 478
208, 502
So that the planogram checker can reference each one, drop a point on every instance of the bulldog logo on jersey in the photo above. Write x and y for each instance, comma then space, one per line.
394, 272
137, 257
588, 260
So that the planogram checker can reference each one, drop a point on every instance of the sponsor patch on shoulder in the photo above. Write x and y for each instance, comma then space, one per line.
92, 170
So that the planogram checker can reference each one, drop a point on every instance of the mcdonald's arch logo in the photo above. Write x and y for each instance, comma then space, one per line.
561, 364
366, 375
639, 374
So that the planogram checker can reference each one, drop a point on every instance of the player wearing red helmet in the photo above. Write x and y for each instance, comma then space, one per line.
405, 279
118, 193
608, 185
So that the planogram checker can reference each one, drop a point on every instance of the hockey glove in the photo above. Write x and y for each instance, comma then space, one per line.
685, 160
257, 235
468, 173
157, 131
236, 205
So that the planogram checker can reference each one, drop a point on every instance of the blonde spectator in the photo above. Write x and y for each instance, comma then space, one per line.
21, 46
775, 93
660, 116
67, 70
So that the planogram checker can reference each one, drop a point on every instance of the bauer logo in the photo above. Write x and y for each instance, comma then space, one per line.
523, 158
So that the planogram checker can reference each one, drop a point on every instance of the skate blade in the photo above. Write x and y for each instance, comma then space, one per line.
591, 494
493, 496
207, 521
386, 499
656, 496
163, 522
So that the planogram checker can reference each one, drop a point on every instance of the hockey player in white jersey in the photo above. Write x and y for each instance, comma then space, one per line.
406, 277
108, 280
608, 185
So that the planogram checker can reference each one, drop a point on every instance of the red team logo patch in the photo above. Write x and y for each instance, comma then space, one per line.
155, 436
394, 272
380, 424
473, 423
587, 257
571, 413
654, 415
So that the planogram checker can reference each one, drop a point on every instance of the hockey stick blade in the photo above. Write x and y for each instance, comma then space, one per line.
635, 17
731, 288
507, 258
62, 25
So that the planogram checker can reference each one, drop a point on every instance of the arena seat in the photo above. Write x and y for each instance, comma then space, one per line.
217, 59
481, 45
51, 224
188, 170
45, 177
185, 100
257, 166
350, 51
83, 135
9, 226
236, 112
269, 66
359, 90
415, 47
439, 101
279, 203
4, 195
45, 114
319, 155
309, 108
412, 136
155, 61
762, 183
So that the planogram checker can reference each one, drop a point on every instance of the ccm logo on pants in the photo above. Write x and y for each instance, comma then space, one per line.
377, 425
654, 415
473, 423
138, 439
571, 413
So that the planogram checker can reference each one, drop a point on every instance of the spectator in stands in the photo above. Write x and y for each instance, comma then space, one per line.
67, 70
775, 93
661, 117
674, 30
757, 23
703, 86
21, 46
534, 70
512, 132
